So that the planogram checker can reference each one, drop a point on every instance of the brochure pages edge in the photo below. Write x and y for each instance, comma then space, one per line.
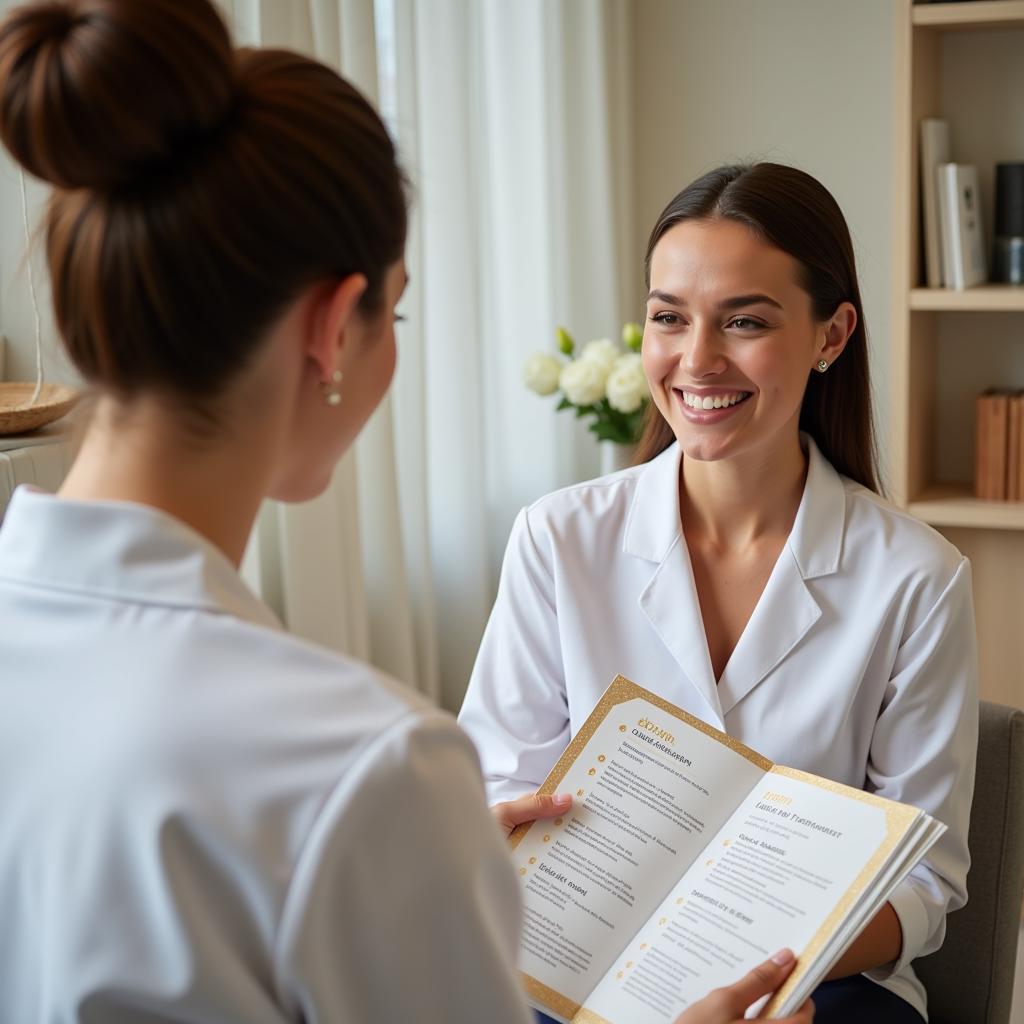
899, 818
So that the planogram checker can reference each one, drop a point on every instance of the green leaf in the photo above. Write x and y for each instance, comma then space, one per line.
606, 431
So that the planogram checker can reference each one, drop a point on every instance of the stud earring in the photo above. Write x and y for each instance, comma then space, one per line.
332, 396
822, 366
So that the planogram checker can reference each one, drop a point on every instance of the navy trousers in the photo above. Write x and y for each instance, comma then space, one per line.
849, 1001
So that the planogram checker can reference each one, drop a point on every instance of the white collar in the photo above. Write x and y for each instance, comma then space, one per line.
120, 550
653, 525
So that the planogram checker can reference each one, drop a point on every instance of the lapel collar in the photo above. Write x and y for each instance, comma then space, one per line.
781, 619
671, 605
652, 526
817, 535
670, 600
787, 609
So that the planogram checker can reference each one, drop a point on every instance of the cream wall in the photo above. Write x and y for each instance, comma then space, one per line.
803, 82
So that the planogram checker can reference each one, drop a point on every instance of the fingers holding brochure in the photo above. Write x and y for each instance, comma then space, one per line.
532, 807
729, 1005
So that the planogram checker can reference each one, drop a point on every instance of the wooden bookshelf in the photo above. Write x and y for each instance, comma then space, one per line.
964, 62
990, 298
955, 505
973, 14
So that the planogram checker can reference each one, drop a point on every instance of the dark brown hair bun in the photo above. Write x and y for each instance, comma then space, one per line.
200, 188
94, 93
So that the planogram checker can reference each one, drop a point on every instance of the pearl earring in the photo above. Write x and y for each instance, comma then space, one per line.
332, 396
822, 366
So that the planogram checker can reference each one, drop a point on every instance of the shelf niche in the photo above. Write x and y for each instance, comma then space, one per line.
963, 62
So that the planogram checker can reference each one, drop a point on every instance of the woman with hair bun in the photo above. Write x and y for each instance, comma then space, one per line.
203, 818
747, 568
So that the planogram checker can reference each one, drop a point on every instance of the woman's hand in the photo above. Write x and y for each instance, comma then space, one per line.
529, 808
728, 1005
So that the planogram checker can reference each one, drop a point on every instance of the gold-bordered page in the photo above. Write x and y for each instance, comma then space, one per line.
786, 869
652, 784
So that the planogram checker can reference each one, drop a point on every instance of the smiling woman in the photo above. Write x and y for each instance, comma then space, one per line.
779, 226
747, 569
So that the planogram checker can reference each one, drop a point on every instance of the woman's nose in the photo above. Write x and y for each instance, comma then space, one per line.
703, 356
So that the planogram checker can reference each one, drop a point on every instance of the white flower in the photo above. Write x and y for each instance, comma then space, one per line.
627, 385
541, 372
582, 380
603, 352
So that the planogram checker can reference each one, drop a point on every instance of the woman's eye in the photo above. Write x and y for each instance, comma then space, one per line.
666, 319
745, 323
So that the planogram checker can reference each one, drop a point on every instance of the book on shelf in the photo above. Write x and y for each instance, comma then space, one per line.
963, 247
934, 152
687, 859
999, 445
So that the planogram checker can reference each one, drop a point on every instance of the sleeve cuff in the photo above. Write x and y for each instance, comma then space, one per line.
915, 926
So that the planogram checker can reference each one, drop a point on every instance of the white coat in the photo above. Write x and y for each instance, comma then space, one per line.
203, 818
858, 663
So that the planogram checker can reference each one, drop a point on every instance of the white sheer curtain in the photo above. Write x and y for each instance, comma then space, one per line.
511, 122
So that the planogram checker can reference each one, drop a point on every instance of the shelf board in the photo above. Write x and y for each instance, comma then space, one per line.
53, 433
982, 298
979, 14
954, 505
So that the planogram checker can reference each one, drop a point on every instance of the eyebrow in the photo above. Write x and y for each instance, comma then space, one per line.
736, 302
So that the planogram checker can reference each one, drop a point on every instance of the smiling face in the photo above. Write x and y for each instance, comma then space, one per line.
730, 340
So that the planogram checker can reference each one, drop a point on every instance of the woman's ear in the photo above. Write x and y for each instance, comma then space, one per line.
838, 329
333, 309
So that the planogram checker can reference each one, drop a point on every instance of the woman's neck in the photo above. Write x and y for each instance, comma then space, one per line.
734, 503
142, 454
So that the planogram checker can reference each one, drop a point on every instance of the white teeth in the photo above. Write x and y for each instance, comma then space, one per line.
712, 402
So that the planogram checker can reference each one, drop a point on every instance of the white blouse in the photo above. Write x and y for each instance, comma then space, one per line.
858, 663
203, 818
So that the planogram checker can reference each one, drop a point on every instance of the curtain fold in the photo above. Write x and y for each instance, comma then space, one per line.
510, 121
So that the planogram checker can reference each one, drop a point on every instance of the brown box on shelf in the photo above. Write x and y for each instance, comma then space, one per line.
991, 441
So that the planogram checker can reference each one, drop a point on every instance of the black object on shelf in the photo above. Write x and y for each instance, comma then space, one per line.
1008, 250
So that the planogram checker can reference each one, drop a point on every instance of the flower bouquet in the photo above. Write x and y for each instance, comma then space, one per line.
605, 382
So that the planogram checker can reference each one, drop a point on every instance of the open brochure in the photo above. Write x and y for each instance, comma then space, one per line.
686, 860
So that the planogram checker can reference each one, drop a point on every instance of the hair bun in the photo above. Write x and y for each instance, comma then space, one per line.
95, 92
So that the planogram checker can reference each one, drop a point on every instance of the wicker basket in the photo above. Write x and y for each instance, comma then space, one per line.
18, 417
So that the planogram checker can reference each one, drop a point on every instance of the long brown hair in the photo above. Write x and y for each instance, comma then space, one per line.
795, 213
198, 188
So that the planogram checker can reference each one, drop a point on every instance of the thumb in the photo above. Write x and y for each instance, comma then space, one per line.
765, 978
534, 806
